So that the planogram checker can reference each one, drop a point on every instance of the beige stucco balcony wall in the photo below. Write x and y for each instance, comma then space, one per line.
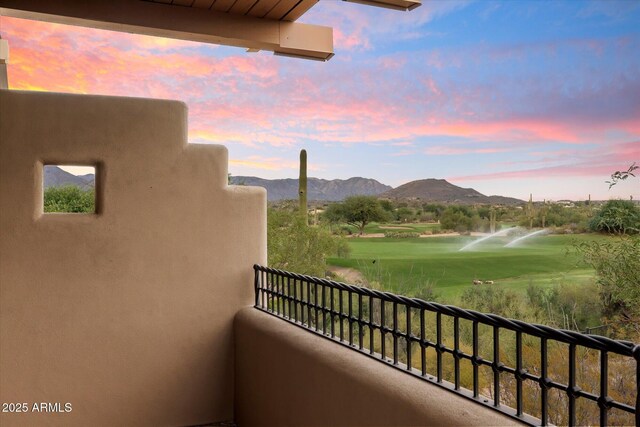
286, 376
126, 314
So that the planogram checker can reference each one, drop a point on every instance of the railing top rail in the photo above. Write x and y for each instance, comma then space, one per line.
625, 348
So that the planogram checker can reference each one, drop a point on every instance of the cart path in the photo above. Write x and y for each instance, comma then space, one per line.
349, 275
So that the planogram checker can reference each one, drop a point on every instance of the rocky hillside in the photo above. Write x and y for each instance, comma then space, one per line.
439, 190
318, 189
56, 177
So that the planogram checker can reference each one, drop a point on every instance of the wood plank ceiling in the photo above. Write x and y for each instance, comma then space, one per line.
280, 10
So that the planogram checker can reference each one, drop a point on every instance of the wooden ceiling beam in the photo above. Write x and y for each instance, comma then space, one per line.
185, 23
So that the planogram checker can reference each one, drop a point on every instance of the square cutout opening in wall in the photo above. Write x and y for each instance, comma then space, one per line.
69, 189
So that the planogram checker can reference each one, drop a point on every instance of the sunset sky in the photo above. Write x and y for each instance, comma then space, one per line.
507, 97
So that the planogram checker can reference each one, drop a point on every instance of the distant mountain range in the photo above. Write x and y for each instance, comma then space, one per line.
317, 189
443, 191
432, 190
427, 190
56, 177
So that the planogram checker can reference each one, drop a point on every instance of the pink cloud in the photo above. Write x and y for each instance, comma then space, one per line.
600, 161
445, 150
81, 60
350, 41
392, 63
272, 163
402, 153
432, 86
544, 172
260, 102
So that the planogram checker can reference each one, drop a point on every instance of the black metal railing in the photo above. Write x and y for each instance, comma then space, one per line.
534, 373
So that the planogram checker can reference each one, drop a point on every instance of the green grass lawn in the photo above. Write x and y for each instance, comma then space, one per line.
404, 265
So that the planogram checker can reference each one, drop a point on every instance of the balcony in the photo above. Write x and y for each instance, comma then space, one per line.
140, 314
442, 346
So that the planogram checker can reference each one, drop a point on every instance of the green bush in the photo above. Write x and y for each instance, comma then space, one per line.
493, 299
401, 234
343, 250
459, 218
294, 246
617, 266
617, 217
69, 199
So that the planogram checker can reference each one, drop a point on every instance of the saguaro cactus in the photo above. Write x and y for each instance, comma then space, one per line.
302, 185
492, 220
530, 212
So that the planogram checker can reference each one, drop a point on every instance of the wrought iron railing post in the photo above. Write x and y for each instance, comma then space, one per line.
394, 334
439, 346
256, 274
423, 347
603, 402
636, 355
456, 352
572, 388
519, 373
475, 361
360, 326
409, 337
544, 382
371, 327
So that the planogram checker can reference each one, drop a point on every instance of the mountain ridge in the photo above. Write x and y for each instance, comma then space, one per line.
56, 177
441, 190
319, 189
333, 190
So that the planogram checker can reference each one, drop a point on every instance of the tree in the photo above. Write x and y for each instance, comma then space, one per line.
617, 217
387, 205
357, 211
293, 245
69, 198
617, 266
617, 263
618, 176
459, 218
435, 208
405, 214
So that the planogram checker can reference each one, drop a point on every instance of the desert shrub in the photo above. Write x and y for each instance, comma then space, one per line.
565, 306
293, 245
459, 218
493, 299
617, 266
69, 198
401, 234
405, 214
617, 217
345, 230
343, 250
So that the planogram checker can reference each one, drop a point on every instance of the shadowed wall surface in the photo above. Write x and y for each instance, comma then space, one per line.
286, 376
126, 314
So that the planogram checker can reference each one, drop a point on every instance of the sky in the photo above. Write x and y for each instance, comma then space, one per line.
508, 97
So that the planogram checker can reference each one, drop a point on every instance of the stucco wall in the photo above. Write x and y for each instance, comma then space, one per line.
287, 376
126, 314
